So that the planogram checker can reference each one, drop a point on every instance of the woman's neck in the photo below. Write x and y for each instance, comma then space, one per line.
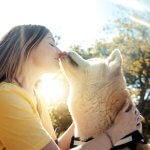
28, 78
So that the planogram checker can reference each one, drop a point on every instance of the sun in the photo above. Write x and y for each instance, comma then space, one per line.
52, 88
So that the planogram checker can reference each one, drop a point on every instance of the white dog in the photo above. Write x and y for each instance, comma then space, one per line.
98, 92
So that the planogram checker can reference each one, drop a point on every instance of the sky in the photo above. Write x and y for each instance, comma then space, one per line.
77, 22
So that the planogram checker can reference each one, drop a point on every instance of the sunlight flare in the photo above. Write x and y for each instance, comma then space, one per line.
140, 21
51, 88
133, 4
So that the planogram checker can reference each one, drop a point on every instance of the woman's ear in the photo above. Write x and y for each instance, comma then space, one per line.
115, 60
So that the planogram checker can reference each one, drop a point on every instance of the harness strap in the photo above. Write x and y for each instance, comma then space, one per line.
75, 141
129, 140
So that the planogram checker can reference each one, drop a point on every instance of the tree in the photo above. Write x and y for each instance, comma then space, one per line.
61, 118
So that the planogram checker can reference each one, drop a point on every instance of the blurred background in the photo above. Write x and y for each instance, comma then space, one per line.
92, 28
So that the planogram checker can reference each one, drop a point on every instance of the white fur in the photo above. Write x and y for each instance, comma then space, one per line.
98, 92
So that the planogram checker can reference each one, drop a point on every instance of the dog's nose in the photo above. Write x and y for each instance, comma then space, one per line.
62, 54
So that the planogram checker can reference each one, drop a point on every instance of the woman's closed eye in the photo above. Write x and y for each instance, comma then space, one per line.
52, 45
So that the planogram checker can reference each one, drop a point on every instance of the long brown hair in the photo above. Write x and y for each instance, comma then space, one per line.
16, 46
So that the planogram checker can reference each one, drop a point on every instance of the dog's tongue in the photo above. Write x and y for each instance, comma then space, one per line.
62, 54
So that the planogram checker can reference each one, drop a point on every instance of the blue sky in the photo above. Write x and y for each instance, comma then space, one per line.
75, 21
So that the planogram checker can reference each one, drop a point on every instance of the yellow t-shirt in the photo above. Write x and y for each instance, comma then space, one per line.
24, 121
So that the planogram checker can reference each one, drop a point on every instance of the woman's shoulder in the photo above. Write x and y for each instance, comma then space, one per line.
5, 86
11, 91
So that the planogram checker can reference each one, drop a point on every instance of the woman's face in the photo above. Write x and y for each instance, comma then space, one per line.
45, 55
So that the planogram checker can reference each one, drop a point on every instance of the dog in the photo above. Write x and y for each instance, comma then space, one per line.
97, 93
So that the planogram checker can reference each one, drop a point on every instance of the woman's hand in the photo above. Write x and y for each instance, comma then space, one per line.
125, 123
128, 121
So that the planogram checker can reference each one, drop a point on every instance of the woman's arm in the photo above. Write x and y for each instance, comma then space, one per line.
51, 146
65, 139
125, 123
102, 142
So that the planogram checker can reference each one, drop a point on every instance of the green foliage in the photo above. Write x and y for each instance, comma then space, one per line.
61, 118
146, 129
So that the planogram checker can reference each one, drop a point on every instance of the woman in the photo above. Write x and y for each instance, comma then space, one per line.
27, 52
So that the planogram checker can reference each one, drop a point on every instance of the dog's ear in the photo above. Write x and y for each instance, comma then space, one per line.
115, 60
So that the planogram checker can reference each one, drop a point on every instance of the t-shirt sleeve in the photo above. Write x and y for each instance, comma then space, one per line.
20, 126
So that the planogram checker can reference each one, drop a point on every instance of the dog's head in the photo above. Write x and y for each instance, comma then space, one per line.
91, 71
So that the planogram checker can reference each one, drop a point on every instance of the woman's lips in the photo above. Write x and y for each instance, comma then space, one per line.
61, 55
